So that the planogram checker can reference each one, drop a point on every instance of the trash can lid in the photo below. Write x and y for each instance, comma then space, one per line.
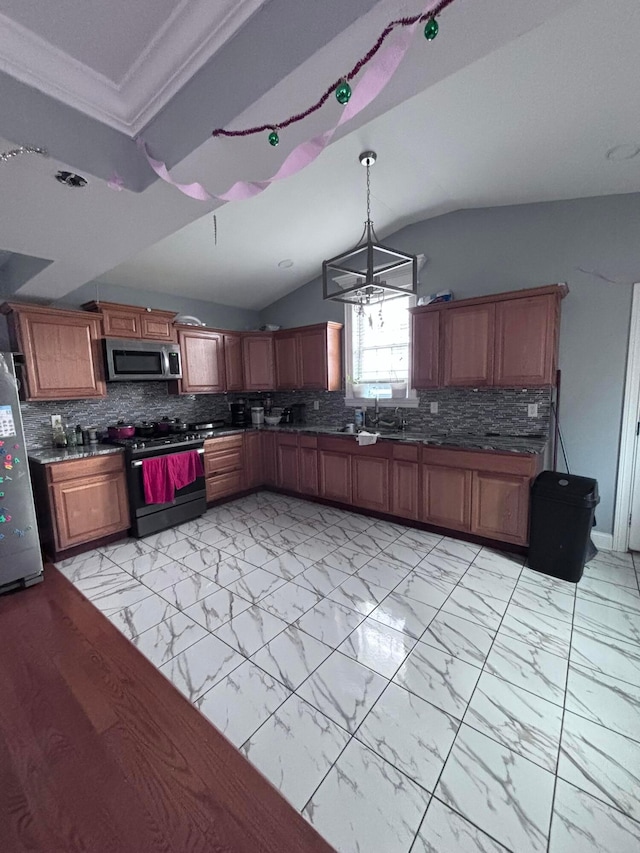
566, 488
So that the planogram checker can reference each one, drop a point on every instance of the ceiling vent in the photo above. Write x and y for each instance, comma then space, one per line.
71, 180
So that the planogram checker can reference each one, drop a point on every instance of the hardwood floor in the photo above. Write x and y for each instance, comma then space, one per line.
98, 752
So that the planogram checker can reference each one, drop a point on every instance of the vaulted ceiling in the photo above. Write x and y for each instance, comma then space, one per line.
514, 102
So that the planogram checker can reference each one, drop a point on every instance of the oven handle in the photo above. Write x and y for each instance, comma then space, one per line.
138, 464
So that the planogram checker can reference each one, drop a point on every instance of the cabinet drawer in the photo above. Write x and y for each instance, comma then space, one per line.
89, 467
524, 465
290, 438
226, 442
224, 484
222, 462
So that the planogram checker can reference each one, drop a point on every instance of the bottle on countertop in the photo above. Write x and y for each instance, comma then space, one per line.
70, 432
79, 436
359, 418
268, 404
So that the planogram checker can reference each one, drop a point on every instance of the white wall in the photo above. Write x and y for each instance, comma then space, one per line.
592, 244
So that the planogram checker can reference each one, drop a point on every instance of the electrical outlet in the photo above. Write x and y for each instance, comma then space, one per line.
316, 405
56, 421
433, 408
532, 410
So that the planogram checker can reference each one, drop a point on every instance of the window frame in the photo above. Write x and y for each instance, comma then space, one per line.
411, 400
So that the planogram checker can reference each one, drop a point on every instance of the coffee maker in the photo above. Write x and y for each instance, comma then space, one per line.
239, 413
299, 413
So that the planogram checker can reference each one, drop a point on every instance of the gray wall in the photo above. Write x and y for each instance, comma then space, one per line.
211, 313
592, 244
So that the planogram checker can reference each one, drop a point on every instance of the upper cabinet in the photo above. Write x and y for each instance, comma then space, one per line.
468, 345
131, 321
507, 339
203, 369
309, 358
526, 343
258, 361
62, 352
233, 362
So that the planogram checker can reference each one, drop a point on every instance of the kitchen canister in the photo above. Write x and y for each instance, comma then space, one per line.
257, 415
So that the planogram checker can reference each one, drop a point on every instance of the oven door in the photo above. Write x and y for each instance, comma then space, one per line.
189, 502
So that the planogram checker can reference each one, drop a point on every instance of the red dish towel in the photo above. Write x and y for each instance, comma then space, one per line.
164, 474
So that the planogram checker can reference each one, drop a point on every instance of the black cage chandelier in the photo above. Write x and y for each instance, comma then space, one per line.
370, 272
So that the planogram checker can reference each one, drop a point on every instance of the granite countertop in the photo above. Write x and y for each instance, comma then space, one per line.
47, 455
528, 444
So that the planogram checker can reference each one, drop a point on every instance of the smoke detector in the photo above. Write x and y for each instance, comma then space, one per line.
69, 179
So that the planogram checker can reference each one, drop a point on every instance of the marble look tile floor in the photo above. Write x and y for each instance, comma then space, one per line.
406, 692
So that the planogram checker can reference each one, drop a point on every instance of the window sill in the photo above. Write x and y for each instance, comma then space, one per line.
386, 403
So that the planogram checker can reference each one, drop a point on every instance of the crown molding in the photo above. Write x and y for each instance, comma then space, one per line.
188, 39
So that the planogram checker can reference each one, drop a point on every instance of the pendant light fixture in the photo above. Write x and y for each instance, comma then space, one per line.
370, 271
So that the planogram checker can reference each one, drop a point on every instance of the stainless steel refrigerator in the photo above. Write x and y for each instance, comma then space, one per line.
20, 556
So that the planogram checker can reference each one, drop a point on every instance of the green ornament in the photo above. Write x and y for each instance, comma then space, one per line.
431, 29
274, 139
343, 92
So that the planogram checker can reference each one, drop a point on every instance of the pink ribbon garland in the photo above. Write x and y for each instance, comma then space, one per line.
374, 79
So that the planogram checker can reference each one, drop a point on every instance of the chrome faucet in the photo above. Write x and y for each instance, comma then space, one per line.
377, 421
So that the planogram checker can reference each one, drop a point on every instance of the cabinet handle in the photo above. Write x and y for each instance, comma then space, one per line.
138, 464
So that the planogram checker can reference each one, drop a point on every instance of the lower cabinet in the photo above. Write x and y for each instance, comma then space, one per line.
269, 460
253, 460
500, 506
335, 474
288, 468
308, 465
370, 482
223, 466
446, 497
81, 500
405, 478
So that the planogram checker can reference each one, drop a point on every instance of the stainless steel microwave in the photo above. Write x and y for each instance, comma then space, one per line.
131, 360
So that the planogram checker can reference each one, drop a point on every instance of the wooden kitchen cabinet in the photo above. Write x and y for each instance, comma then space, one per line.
309, 358
370, 482
425, 350
224, 466
132, 321
405, 474
252, 462
234, 377
62, 352
500, 507
269, 458
287, 361
526, 341
80, 501
468, 345
258, 361
446, 497
308, 464
288, 469
203, 370
334, 467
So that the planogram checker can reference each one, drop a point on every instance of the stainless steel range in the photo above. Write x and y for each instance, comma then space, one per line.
189, 502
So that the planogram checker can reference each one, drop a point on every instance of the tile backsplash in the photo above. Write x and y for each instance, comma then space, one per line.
461, 410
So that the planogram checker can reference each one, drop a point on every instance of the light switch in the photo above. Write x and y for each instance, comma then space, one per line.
532, 410
433, 408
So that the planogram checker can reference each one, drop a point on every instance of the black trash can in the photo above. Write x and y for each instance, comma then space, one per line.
561, 518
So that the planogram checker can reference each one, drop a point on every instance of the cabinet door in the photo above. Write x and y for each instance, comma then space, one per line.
288, 474
446, 497
526, 341
468, 345
370, 482
312, 354
269, 460
63, 355
287, 367
253, 459
335, 475
404, 488
500, 507
425, 350
258, 363
121, 324
308, 464
85, 509
202, 362
156, 327
233, 362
